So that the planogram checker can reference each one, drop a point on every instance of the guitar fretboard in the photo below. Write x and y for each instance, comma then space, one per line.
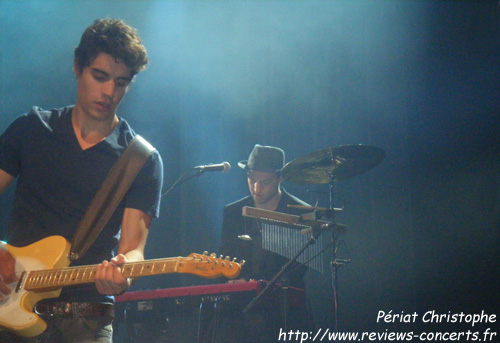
52, 278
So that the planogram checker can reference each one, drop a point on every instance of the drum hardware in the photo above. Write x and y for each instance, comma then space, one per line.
325, 166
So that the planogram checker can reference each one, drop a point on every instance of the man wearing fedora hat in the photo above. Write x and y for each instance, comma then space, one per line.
263, 169
241, 237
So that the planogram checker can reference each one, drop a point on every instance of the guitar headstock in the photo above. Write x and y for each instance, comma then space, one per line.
210, 266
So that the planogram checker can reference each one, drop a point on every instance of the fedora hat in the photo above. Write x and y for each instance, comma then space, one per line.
264, 159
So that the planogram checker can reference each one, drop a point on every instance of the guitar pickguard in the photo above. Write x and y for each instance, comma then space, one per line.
16, 310
12, 314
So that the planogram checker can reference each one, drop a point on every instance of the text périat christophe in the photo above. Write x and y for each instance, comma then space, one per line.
434, 317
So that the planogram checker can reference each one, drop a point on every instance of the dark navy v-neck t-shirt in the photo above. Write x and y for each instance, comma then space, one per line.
57, 180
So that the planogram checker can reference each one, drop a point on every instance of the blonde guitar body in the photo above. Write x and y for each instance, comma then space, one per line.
42, 269
16, 311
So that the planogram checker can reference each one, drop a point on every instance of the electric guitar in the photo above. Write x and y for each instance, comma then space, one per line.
42, 268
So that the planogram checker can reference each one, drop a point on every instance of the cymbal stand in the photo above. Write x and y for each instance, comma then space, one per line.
334, 263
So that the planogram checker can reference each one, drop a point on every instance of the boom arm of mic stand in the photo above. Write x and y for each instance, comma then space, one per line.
181, 179
255, 300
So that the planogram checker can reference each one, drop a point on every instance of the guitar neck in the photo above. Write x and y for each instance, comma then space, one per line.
55, 278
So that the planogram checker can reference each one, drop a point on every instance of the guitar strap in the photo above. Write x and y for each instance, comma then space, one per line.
112, 191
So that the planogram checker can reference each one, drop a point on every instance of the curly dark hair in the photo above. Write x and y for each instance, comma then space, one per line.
113, 37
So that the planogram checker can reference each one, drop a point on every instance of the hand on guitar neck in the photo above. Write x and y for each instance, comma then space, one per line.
109, 278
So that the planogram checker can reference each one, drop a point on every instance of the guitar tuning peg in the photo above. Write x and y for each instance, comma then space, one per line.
205, 253
227, 258
213, 255
242, 262
234, 259
221, 257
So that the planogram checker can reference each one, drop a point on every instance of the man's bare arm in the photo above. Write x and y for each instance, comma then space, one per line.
5, 180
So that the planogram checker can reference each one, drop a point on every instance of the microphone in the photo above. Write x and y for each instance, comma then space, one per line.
223, 167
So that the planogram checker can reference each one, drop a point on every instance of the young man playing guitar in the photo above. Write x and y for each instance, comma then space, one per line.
60, 158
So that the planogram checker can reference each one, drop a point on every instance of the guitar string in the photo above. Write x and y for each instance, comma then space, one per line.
46, 276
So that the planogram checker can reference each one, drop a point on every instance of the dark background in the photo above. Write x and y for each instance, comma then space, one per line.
419, 79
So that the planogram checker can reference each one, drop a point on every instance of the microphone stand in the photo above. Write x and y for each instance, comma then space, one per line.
178, 182
182, 179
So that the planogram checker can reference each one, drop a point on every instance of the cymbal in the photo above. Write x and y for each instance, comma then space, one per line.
333, 164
